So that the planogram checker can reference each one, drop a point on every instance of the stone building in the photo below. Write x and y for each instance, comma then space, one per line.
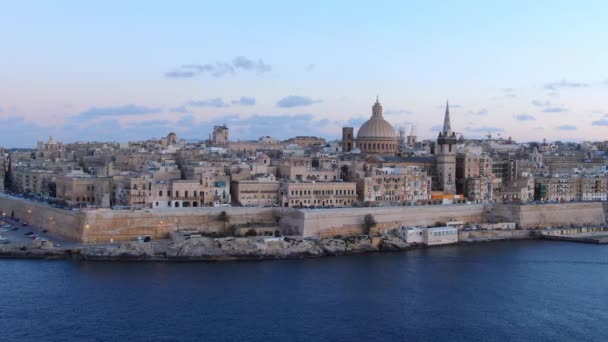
25, 180
262, 191
446, 156
81, 190
220, 136
308, 169
396, 186
317, 194
375, 136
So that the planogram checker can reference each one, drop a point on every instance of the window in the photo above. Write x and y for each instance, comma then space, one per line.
160, 193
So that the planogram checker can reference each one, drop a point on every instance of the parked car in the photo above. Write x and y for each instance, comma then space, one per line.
45, 230
33, 236
4, 241
29, 233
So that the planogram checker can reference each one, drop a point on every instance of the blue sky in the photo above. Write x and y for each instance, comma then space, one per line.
117, 70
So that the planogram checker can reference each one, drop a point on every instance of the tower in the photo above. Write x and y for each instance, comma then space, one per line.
348, 139
411, 139
446, 155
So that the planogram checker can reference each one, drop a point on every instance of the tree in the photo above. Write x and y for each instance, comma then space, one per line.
224, 217
251, 232
369, 222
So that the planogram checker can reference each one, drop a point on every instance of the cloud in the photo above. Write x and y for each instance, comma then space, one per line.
244, 101
565, 84
215, 102
310, 67
186, 120
539, 103
555, 110
179, 109
296, 101
180, 74
601, 122
484, 129
480, 112
354, 121
221, 68
549, 107
397, 112
566, 128
245, 63
524, 117
130, 109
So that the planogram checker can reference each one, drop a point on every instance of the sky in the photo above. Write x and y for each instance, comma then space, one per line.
132, 70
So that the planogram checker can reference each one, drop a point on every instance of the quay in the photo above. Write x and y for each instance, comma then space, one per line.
593, 235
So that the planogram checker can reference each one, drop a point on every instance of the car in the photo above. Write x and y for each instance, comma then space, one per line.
23, 224
14, 228
4, 230
29, 233
33, 236
6, 226
4, 241
45, 230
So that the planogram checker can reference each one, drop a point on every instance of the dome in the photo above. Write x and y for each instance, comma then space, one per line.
376, 127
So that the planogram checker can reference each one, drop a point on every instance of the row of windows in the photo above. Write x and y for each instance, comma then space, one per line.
377, 146
322, 192
445, 232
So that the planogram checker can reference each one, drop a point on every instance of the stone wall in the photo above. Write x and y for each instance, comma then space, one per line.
119, 225
349, 221
544, 215
65, 223
495, 234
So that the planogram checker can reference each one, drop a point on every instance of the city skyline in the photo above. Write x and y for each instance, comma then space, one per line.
518, 71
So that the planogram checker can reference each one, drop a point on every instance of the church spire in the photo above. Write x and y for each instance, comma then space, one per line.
447, 127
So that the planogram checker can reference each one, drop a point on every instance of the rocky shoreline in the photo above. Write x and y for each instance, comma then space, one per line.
234, 248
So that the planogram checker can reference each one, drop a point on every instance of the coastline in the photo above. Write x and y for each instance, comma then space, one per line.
208, 249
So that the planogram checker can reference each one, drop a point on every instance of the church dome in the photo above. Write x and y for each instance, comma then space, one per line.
376, 126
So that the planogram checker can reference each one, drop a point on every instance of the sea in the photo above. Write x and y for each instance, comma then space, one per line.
499, 291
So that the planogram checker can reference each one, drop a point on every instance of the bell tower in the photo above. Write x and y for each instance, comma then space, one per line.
446, 155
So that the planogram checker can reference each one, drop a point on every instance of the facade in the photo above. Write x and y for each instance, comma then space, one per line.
389, 185
440, 236
263, 191
84, 191
220, 136
24, 180
446, 156
317, 194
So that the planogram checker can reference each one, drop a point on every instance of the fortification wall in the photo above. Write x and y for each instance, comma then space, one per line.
65, 223
330, 222
119, 225
544, 215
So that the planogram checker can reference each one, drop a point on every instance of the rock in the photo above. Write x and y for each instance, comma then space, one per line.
392, 243
333, 246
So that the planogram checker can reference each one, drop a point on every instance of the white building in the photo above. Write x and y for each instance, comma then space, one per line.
440, 235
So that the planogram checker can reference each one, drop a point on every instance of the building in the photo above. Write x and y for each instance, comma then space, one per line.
375, 136
220, 136
262, 191
394, 185
317, 194
440, 236
446, 156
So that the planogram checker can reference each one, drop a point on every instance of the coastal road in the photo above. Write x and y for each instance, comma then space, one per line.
18, 236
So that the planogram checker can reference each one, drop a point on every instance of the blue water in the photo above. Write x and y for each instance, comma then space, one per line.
509, 291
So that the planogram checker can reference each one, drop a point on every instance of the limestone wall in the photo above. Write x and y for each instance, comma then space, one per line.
329, 222
543, 215
65, 223
119, 225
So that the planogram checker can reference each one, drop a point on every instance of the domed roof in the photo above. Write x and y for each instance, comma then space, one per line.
376, 126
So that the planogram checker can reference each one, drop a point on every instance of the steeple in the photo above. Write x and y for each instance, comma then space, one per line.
447, 128
377, 109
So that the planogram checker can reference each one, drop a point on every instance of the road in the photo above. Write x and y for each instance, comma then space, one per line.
18, 236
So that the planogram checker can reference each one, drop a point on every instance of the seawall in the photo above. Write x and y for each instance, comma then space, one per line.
544, 215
